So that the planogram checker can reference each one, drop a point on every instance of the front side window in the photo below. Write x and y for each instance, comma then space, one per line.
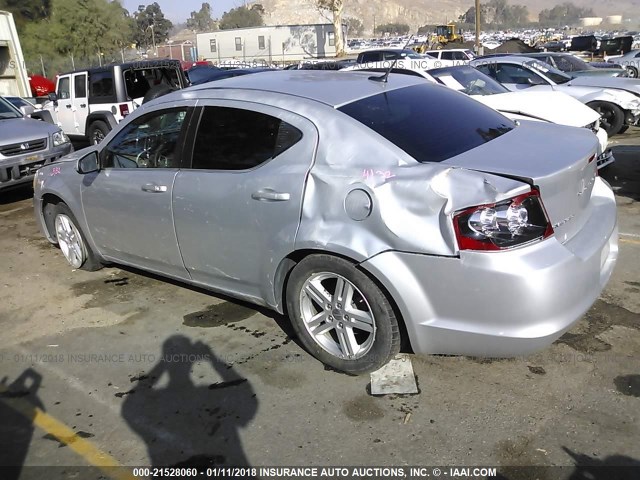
148, 142
64, 92
512, 74
429, 122
236, 139
468, 80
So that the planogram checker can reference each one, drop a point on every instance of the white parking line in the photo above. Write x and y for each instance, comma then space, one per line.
633, 235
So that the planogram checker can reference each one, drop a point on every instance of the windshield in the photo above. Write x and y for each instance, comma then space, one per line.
569, 63
8, 111
468, 80
429, 122
547, 70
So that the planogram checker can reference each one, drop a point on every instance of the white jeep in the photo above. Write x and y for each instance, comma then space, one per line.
89, 103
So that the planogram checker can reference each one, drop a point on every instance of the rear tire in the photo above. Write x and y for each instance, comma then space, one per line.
97, 131
611, 116
633, 72
341, 316
70, 239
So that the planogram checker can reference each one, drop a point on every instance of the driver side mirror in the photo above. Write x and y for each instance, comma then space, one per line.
88, 164
53, 98
27, 110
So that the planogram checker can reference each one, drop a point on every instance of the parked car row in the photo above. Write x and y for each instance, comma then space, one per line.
372, 208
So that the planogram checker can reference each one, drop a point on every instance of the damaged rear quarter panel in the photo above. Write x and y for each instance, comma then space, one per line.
411, 202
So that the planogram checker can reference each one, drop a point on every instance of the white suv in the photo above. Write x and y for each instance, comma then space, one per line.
89, 103
461, 56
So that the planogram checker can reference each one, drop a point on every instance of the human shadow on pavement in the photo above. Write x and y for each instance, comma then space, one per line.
185, 424
18, 402
613, 467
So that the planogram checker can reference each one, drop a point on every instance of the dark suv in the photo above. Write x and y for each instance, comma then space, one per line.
89, 103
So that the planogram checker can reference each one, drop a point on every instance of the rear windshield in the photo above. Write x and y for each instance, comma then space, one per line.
429, 122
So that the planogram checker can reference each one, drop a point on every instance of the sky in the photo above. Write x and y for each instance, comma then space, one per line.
180, 10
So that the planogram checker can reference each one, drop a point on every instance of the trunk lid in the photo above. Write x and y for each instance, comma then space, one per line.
559, 160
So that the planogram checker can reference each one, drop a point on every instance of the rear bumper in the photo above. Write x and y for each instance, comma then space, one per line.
502, 304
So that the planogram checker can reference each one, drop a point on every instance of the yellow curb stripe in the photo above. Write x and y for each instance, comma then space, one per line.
629, 240
67, 436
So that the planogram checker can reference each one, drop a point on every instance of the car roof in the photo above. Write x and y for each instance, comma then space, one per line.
325, 86
137, 65
505, 58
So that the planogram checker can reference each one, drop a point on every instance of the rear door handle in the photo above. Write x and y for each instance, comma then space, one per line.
83, 105
153, 188
68, 106
270, 195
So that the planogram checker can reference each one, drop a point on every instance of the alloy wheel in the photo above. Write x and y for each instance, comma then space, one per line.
337, 315
70, 241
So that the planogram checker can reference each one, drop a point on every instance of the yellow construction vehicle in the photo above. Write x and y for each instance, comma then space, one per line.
445, 34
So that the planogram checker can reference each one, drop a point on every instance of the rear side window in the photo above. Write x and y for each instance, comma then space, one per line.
429, 122
80, 86
236, 139
101, 85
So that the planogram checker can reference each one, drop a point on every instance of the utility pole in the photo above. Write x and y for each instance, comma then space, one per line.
478, 28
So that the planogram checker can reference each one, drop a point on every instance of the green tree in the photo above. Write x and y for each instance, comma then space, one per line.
241, 17
394, 28
151, 25
201, 21
355, 27
336, 7
26, 11
564, 14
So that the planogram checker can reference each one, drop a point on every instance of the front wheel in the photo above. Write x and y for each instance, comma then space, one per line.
341, 316
633, 72
71, 240
611, 116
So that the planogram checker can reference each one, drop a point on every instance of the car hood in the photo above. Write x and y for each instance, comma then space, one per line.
555, 107
559, 160
629, 84
17, 130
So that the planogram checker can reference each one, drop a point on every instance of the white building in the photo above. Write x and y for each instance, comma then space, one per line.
268, 44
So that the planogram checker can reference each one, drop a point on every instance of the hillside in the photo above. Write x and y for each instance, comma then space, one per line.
419, 12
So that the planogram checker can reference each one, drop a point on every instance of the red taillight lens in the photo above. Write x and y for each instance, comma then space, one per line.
503, 225
124, 109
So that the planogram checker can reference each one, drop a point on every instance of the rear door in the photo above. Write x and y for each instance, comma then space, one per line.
238, 208
80, 102
127, 203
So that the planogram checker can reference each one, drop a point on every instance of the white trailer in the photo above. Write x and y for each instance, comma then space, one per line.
13, 72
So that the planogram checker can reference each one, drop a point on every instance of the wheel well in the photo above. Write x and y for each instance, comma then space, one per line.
291, 260
49, 199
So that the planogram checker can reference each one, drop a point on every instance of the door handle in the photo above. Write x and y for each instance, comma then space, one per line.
269, 195
83, 105
68, 106
153, 188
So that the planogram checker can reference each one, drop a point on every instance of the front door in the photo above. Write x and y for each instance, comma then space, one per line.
64, 110
237, 210
127, 203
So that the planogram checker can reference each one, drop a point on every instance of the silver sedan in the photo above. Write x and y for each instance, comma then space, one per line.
372, 211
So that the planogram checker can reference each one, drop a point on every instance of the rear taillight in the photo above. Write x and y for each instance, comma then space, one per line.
124, 109
503, 225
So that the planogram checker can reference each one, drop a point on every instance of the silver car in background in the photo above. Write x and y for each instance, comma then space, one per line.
26, 144
369, 212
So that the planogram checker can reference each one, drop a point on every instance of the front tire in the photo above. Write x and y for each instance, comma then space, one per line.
71, 240
611, 116
633, 72
341, 316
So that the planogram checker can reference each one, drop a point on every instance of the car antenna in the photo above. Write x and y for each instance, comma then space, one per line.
385, 77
